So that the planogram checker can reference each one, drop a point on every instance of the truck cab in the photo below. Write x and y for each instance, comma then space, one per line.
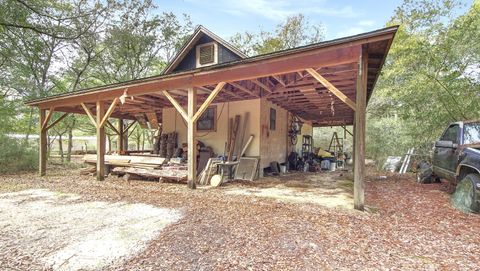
456, 158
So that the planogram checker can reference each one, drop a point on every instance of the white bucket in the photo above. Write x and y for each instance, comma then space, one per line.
333, 166
283, 169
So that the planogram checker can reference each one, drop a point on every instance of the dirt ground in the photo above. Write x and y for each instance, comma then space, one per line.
273, 225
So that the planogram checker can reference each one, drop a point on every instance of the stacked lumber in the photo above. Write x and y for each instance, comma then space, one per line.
145, 162
178, 175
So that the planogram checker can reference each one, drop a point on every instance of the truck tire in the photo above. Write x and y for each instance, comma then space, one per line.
467, 194
424, 173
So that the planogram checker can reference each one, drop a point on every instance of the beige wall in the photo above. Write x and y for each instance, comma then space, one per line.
273, 143
270, 145
173, 121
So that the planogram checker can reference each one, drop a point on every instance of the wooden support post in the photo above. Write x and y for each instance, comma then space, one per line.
42, 144
120, 143
100, 141
191, 132
359, 135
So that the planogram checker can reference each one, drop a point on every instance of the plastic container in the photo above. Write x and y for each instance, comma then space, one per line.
333, 166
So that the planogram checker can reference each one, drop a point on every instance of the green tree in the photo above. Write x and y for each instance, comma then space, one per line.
293, 32
430, 77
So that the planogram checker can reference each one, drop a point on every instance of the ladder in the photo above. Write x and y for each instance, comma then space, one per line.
336, 143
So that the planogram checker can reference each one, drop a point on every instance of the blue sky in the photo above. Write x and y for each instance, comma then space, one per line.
340, 18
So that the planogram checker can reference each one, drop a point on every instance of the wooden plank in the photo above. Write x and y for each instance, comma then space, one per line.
332, 88
176, 105
57, 121
47, 118
42, 150
360, 119
89, 114
233, 137
191, 133
109, 112
100, 142
208, 101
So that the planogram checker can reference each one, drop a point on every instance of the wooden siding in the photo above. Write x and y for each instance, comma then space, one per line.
224, 55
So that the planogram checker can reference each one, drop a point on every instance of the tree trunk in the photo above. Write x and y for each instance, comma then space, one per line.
138, 142
60, 147
109, 137
30, 124
70, 145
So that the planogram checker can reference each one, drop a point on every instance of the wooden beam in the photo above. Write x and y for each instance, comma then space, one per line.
152, 119
332, 88
360, 119
57, 121
262, 85
251, 68
244, 89
347, 131
109, 124
89, 114
47, 119
279, 80
100, 141
176, 105
191, 142
130, 125
208, 101
109, 111
42, 145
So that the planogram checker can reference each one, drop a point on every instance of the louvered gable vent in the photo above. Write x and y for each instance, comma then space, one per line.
207, 54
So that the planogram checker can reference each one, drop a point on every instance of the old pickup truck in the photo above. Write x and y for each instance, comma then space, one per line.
456, 158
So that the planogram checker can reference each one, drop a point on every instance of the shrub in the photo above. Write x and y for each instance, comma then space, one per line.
16, 156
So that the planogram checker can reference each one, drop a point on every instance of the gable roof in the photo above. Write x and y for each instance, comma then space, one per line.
338, 60
188, 45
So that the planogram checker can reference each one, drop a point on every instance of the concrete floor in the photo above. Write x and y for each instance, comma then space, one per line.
328, 189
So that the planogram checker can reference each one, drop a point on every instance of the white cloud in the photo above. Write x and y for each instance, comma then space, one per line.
360, 27
278, 10
350, 31
366, 23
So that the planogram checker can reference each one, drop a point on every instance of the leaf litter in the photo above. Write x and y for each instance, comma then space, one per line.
408, 227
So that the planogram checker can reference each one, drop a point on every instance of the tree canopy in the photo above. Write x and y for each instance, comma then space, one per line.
431, 77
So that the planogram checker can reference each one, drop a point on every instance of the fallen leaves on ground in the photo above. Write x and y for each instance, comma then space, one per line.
409, 226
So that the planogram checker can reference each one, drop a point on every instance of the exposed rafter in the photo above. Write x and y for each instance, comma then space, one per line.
332, 88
